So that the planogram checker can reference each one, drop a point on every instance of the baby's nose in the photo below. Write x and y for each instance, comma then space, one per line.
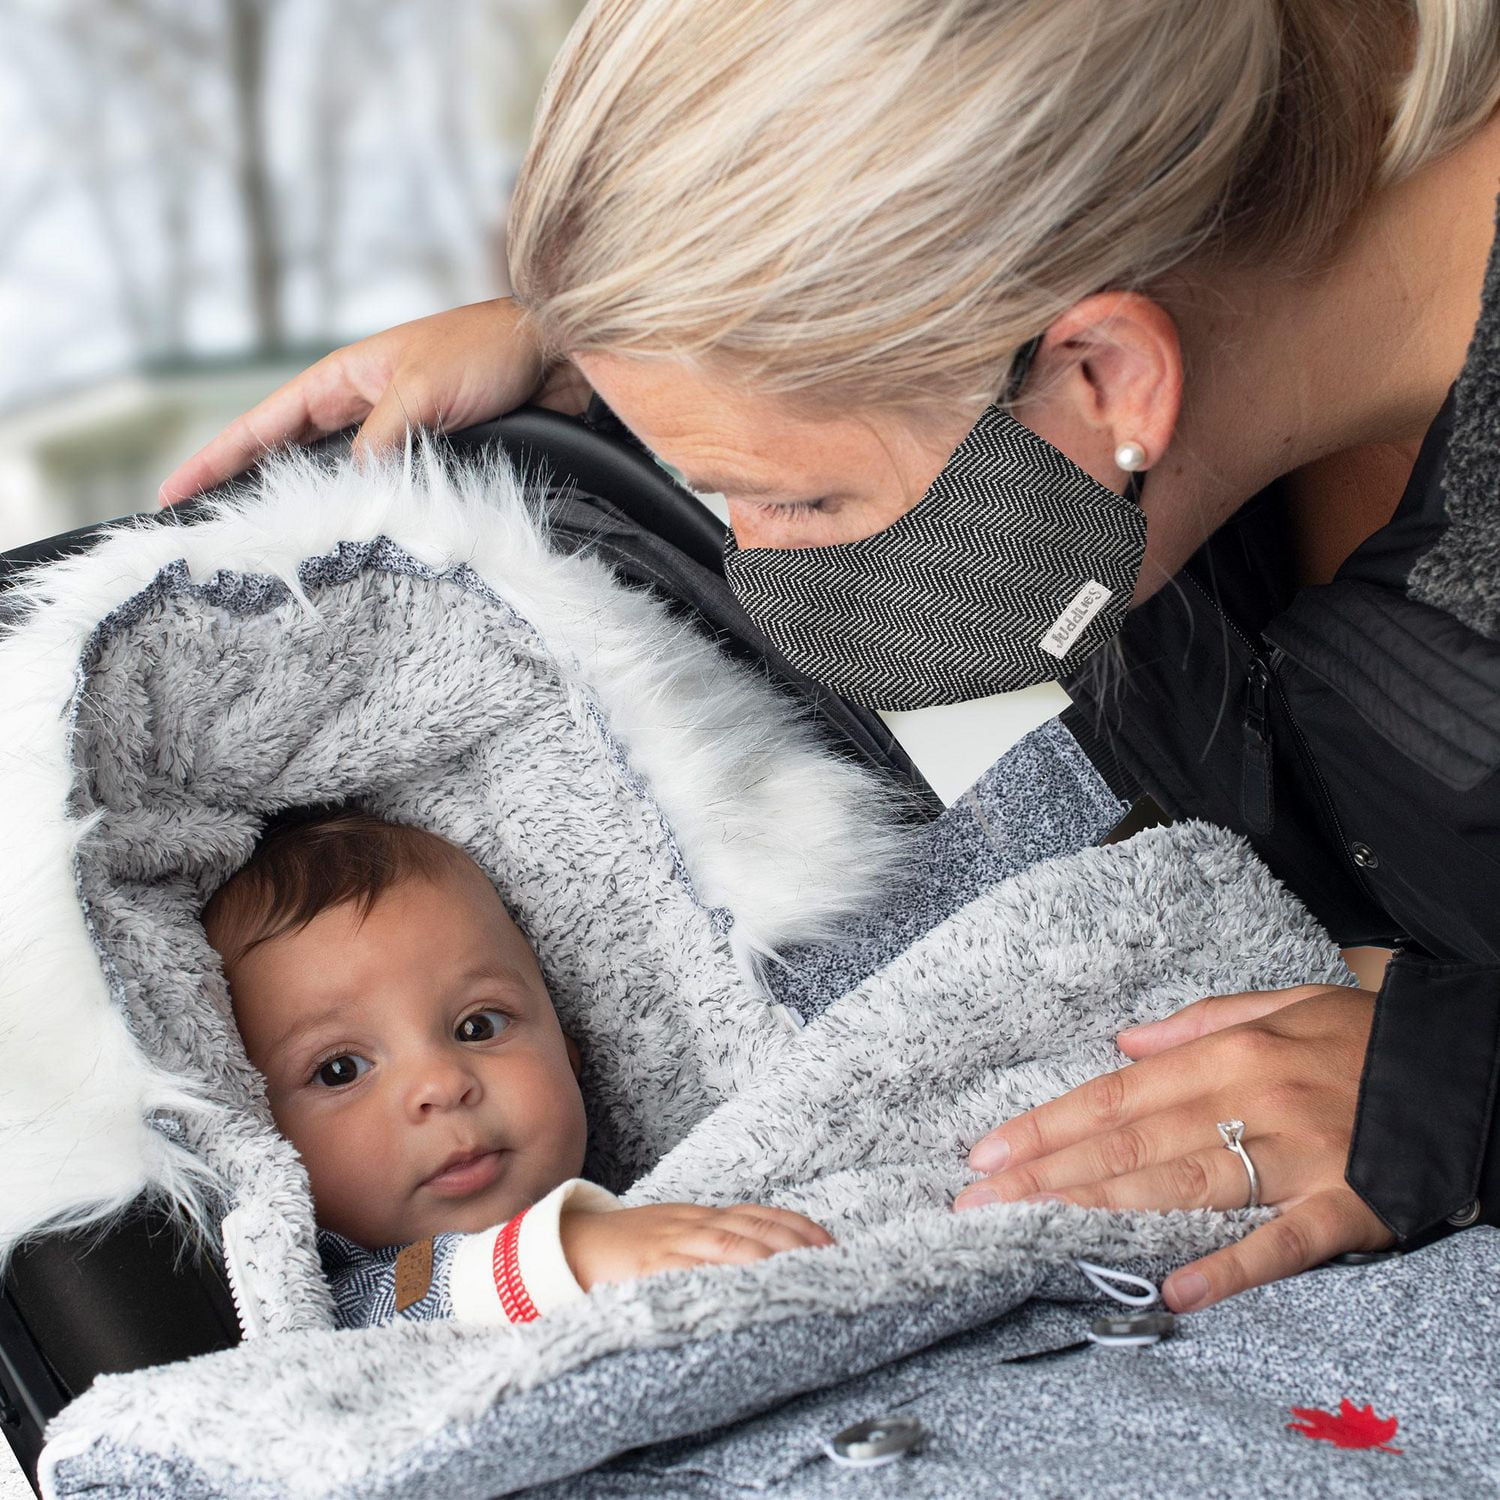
444, 1085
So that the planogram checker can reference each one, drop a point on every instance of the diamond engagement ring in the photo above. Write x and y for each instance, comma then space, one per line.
1231, 1132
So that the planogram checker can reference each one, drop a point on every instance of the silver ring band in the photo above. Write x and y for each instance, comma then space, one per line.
1231, 1133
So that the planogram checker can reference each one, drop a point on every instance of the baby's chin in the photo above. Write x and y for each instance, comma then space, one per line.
468, 1216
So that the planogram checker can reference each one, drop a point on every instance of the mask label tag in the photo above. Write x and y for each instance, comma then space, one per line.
1078, 611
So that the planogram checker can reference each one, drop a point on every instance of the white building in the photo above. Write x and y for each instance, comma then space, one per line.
100, 450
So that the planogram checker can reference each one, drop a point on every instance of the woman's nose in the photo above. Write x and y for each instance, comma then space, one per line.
440, 1083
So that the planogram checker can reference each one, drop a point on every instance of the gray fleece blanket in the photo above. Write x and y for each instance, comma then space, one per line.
663, 828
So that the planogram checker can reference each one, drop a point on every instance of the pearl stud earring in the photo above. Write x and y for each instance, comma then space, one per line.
1130, 456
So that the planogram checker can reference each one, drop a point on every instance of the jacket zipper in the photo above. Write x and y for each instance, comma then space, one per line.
1257, 762
1263, 682
1257, 756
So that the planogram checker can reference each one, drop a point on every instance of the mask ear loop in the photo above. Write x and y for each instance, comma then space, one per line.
1020, 368
1134, 485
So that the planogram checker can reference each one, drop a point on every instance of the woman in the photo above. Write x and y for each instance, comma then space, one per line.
796, 246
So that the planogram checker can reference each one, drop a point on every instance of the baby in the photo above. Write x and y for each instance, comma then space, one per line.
412, 1056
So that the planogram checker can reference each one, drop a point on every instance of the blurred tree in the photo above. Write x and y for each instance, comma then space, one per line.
284, 169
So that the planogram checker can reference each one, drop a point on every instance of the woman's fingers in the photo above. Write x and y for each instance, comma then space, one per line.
403, 405
1205, 1016
1120, 1154
1102, 1104
1209, 1178
1304, 1235
325, 398
458, 367
1150, 1084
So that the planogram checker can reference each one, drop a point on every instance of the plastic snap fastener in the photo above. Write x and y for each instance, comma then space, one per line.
1364, 856
1133, 1330
881, 1440
1467, 1215
1357, 1258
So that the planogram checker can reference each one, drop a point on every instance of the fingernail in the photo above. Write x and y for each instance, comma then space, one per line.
979, 1197
989, 1155
1188, 1291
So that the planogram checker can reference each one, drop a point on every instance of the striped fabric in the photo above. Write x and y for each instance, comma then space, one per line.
515, 1300
1011, 569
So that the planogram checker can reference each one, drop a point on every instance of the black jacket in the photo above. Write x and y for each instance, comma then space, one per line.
1352, 732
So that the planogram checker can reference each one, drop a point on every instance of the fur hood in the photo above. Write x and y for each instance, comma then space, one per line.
406, 635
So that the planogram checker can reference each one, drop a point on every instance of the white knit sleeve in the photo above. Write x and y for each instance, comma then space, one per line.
517, 1272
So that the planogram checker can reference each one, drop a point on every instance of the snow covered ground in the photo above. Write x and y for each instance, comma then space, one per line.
12, 1486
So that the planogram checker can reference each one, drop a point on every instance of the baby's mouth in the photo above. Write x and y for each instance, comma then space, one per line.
472, 1172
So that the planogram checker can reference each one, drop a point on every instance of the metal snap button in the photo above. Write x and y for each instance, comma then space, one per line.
1467, 1215
1364, 856
1133, 1330
881, 1440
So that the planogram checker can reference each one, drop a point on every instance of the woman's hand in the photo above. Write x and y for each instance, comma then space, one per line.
624, 1243
450, 370
1286, 1062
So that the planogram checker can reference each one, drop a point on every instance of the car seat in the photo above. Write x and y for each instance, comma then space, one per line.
138, 1292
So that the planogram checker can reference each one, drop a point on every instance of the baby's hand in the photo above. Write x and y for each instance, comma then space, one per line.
624, 1243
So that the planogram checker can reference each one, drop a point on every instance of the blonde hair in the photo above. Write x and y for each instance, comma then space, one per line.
875, 203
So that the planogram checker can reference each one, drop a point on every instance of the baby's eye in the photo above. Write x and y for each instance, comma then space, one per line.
341, 1070
481, 1026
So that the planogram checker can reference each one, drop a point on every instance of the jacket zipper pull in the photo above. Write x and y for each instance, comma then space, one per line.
1257, 799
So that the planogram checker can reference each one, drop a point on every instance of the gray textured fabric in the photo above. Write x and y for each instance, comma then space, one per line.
1459, 573
1040, 799
1205, 1413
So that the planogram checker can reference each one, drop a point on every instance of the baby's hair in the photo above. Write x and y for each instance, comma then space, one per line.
309, 860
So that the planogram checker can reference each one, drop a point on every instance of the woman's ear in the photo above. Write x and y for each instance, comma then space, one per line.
1108, 371
575, 1057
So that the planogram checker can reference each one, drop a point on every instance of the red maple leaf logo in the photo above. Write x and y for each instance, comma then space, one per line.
1353, 1427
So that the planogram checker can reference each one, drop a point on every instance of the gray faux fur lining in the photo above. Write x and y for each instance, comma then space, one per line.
1461, 572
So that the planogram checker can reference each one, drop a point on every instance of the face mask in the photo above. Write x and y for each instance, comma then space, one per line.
1013, 567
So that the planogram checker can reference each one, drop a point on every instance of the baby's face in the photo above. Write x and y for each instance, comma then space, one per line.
414, 1060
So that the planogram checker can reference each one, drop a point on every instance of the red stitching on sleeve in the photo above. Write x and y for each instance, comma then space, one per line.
515, 1301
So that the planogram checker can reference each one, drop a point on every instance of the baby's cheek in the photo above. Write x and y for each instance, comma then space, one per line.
341, 1159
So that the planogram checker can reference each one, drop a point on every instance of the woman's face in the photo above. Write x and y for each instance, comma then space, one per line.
794, 481
788, 481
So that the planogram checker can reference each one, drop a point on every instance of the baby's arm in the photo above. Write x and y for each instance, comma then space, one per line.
634, 1242
555, 1252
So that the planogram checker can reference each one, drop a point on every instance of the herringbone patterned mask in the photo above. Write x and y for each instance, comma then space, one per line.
1013, 566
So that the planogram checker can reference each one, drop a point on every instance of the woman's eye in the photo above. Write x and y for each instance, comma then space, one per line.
481, 1026
799, 507
341, 1070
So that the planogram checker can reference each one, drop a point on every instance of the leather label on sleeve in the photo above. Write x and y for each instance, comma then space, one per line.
413, 1274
